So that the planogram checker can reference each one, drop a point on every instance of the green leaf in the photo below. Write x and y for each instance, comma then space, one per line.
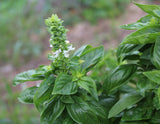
145, 35
153, 76
67, 99
27, 95
119, 77
125, 50
150, 9
81, 113
146, 19
134, 26
144, 84
89, 85
64, 85
97, 109
26, 76
125, 102
91, 57
81, 50
137, 113
52, 111
142, 111
156, 53
43, 93
68, 120
155, 118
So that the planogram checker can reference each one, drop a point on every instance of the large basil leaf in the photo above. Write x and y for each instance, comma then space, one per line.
88, 84
150, 9
144, 84
81, 113
142, 111
126, 50
134, 26
156, 53
153, 76
52, 111
27, 95
26, 76
97, 109
43, 93
64, 85
91, 57
119, 76
81, 50
125, 102
145, 35
137, 114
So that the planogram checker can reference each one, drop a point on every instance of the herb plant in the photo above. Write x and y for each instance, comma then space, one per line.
125, 91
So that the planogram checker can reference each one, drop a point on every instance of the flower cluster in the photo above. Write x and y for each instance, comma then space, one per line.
60, 46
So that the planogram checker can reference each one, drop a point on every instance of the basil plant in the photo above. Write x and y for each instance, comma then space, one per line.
66, 94
90, 87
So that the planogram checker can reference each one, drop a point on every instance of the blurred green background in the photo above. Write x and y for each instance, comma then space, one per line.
24, 40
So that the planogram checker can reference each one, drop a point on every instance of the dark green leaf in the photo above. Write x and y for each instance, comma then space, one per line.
156, 118
81, 113
150, 9
145, 35
125, 50
137, 114
67, 99
97, 109
91, 57
26, 76
88, 84
43, 93
27, 95
153, 76
125, 102
52, 111
64, 85
119, 76
156, 53
81, 50
68, 120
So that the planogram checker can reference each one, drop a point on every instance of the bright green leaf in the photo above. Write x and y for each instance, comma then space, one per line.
89, 85
145, 35
134, 26
64, 85
27, 95
153, 76
26, 76
81, 50
150, 9
125, 102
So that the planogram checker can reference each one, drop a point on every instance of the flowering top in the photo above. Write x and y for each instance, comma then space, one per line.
60, 46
